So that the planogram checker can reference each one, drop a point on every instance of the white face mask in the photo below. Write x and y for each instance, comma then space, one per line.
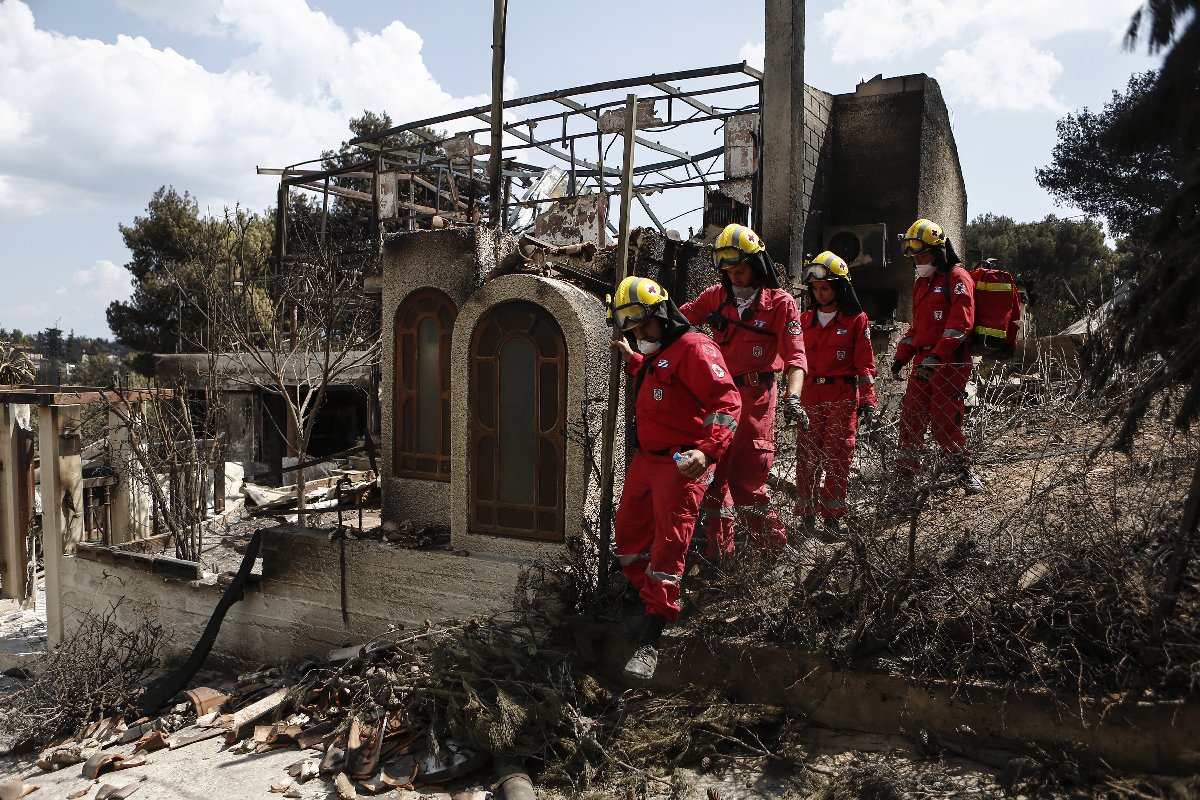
646, 347
744, 292
925, 270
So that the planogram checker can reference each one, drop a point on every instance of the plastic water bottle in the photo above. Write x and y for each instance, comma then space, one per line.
708, 475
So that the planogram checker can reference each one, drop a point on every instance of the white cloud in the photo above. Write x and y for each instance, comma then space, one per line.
193, 16
103, 281
85, 122
999, 54
1001, 72
754, 54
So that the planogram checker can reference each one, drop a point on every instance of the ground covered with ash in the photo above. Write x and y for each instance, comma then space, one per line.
1069, 575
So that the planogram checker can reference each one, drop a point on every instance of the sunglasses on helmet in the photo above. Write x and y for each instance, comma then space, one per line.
627, 315
728, 257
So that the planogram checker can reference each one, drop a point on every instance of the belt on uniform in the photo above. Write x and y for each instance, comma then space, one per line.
753, 378
837, 379
669, 450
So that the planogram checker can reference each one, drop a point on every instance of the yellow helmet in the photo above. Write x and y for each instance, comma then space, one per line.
734, 244
636, 300
922, 235
826, 266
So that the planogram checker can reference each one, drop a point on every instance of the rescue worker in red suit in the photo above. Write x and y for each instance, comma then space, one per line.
839, 393
757, 327
686, 413
937, 346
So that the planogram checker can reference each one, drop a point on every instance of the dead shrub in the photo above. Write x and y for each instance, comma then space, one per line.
98, 672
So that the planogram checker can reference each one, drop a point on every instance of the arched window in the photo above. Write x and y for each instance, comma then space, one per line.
421, 391
518, 423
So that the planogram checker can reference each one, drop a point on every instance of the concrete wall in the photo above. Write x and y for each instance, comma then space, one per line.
818, 168
893, 160
295, 608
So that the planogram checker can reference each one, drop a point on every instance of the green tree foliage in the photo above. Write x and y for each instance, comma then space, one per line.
1162, 315
1065, 263
1107, 175
174, 252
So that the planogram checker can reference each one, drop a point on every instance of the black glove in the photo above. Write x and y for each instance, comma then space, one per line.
897, 368
794, 412
866, 413
924, 370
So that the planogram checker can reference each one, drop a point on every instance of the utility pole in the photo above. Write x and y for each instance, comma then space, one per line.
499, 22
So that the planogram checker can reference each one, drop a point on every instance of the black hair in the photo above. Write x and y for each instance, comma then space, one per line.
847, 298
764, 270
944, 257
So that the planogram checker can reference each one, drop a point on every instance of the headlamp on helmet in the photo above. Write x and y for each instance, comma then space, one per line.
636, 301
922, 235
734, 245
826, 266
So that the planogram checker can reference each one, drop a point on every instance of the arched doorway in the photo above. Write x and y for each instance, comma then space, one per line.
518, 368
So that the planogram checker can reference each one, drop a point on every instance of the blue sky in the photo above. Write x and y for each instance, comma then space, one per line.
103, 101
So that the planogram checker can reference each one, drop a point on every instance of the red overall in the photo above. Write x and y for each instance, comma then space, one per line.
756, 345
943, 315
686, 400
841, 378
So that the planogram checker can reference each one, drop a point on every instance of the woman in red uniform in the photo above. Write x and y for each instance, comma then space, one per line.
936, 344
839, 391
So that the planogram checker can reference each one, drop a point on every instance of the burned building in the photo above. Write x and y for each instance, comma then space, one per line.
495, 346
493, 385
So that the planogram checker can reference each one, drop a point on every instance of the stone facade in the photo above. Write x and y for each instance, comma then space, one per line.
456, 263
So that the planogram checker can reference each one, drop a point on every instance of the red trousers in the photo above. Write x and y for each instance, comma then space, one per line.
741, 478
654, 527
827, 446
935, 404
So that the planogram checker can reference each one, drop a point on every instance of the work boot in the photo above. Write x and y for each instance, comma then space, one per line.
641, 665
833, 531
970, 482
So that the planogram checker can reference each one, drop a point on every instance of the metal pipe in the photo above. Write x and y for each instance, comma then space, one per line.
614, 372
624, 83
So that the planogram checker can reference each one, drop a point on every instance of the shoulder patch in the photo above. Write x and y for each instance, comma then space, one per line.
718, 370
794, 327
960, 288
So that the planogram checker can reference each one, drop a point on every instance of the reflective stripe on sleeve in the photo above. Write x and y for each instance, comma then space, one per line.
718, 418
664, 577
866, 380
951, 333
633, 557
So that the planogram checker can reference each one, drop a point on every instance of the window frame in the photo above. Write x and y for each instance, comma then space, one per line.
548, 433
407, 460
